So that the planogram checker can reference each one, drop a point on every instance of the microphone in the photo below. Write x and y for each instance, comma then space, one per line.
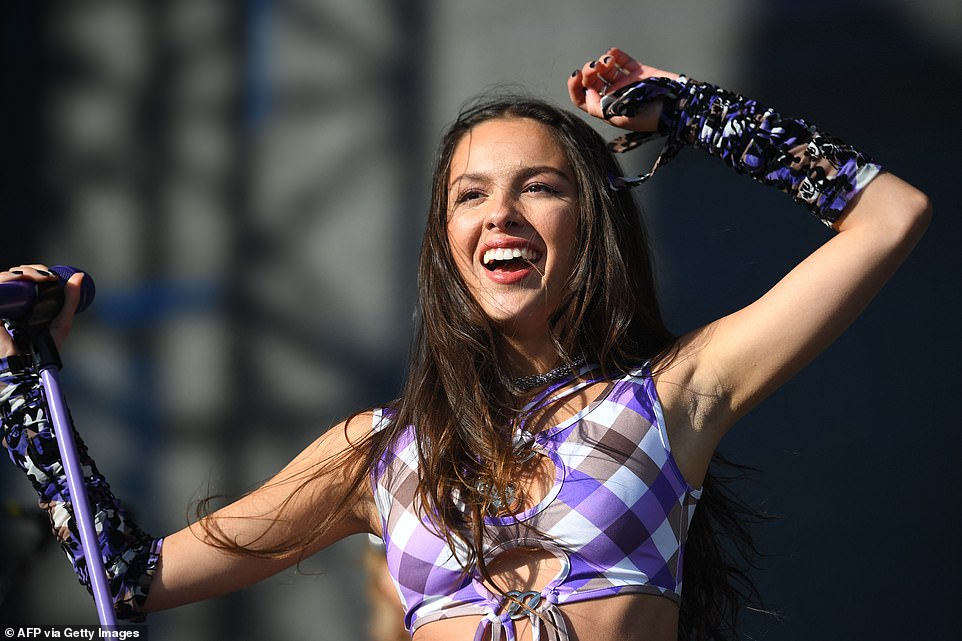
38, 303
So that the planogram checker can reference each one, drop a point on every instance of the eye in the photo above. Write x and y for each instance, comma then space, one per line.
542, 188
468, 195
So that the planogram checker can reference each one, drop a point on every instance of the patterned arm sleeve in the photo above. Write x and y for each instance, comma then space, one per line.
814, 168
130, 555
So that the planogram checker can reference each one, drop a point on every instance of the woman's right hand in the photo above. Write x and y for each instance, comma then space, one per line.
61, 324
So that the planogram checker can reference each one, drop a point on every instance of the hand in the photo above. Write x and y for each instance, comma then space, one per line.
61, 324
614, 70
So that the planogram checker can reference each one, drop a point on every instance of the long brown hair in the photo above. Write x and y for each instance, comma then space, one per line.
461, 399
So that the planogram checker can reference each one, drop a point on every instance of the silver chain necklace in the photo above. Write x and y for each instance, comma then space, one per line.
525, 383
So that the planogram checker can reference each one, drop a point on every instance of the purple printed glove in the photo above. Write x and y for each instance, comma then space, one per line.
130, 555
816, 169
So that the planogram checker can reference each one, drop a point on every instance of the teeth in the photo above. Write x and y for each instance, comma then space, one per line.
503, 253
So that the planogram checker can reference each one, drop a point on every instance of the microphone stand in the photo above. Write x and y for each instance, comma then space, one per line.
48, 363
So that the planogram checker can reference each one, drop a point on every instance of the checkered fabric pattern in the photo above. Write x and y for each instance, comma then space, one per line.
617, 515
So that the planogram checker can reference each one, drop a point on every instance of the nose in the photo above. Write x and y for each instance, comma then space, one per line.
504, 212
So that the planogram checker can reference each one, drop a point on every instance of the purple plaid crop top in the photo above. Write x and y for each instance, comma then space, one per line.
616, 517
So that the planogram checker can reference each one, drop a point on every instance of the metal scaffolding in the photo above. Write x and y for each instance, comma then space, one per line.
237, 178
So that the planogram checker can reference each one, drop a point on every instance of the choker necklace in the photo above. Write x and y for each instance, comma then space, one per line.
525, 383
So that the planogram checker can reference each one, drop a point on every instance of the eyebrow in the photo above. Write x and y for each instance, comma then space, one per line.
523, 174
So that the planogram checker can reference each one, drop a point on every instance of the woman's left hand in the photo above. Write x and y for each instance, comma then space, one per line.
612, 71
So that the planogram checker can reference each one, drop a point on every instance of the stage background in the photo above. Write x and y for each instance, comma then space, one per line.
247, 183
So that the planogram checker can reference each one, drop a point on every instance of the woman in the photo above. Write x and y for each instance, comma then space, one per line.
538, 475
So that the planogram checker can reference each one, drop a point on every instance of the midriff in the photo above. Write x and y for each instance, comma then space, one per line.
623, 617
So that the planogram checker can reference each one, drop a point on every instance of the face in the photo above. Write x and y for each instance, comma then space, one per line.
512, 221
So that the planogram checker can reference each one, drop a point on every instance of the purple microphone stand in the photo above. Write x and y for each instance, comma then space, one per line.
34, 308
48, 364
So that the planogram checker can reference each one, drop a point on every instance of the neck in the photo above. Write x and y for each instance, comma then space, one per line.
529, 357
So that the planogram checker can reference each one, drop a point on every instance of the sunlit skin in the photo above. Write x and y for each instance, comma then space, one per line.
510, 186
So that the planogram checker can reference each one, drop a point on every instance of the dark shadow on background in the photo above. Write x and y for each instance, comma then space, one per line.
859, 452
25, 204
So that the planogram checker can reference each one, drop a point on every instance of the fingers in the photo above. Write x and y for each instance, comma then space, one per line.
610, 72
61, 324
576, 90
614, 70
623, 62
588, 85
597, 78
36, 273
7, 347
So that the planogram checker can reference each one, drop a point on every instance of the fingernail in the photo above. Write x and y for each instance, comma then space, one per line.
606, 59
44, 271
16, 271
574, 73
592, 65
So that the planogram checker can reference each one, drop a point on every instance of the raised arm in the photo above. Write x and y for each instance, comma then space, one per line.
147, 573
738, 360
726, 367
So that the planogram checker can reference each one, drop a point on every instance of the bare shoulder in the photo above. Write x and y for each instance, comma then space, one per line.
335, 461
346, 438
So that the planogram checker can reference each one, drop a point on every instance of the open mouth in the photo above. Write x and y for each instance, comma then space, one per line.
509, 259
